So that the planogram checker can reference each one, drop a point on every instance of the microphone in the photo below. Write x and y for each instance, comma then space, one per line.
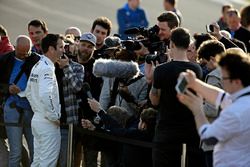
112, 41
115, 69
86, 88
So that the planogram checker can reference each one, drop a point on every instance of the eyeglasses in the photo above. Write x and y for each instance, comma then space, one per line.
232, 12
77, 38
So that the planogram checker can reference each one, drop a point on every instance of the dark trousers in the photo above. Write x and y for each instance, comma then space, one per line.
209, 158
169, 155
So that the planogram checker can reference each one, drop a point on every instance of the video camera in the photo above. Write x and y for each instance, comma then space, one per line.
156, 47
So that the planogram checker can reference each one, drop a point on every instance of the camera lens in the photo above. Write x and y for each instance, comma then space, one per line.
149, 58
211, 27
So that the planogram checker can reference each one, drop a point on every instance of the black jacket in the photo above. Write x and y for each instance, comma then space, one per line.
131, 155
243, 35
7, 64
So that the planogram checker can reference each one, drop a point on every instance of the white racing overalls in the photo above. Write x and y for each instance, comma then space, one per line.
43, 95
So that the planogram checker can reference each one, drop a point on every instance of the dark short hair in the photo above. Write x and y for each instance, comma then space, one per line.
180, 37
38, 23
104, 22
169, 17
210, 48
233, 11
245, 16
172, 2
149, 117
237, 64
50, 40
125, 55
3, 31
227, 6
202, 37
119, 114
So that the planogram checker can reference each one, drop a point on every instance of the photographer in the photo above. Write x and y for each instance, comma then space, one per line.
174, 126
71, 47
76, 32
166, 22
235, 28
70, 76
214, 30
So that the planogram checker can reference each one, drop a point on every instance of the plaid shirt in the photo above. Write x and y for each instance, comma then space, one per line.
72, 83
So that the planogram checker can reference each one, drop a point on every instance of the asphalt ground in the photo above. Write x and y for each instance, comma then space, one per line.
60, 14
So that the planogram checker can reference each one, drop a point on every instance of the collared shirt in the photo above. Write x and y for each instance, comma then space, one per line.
232, 130
72, 83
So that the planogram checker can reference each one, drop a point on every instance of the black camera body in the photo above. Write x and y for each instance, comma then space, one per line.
151, 58
66, 48
150, 40
210, 28
156, 47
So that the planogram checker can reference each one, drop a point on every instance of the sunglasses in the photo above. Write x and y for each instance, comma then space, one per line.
77, 38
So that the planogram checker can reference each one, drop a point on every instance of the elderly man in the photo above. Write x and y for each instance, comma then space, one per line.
75, 31
15, 68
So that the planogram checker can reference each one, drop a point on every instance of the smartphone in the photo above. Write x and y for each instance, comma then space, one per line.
181, 85
63, 56
210, 28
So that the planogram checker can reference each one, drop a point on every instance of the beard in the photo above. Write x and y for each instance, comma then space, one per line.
83, 56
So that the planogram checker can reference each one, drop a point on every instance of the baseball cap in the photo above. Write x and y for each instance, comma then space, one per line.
89, 37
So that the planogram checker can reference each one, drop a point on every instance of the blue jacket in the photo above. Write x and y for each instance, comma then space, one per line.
128, 18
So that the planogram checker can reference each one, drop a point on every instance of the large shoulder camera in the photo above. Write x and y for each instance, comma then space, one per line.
156, 47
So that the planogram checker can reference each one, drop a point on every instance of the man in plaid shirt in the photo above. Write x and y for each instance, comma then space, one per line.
70, 76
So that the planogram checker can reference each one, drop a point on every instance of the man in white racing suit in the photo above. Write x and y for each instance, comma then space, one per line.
42, 93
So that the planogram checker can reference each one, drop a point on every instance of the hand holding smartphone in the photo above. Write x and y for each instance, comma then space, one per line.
181, 85
210, 28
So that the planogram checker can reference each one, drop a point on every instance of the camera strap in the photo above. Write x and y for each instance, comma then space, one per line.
28, 64
19, 75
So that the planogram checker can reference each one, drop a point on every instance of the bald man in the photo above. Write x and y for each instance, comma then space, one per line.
15, 68
75, 31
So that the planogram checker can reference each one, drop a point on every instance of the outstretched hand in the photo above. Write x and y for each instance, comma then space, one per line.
94, 105
190, 77
87, 124
149, 71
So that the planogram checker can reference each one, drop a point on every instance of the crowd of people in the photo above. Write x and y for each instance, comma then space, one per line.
125, 85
